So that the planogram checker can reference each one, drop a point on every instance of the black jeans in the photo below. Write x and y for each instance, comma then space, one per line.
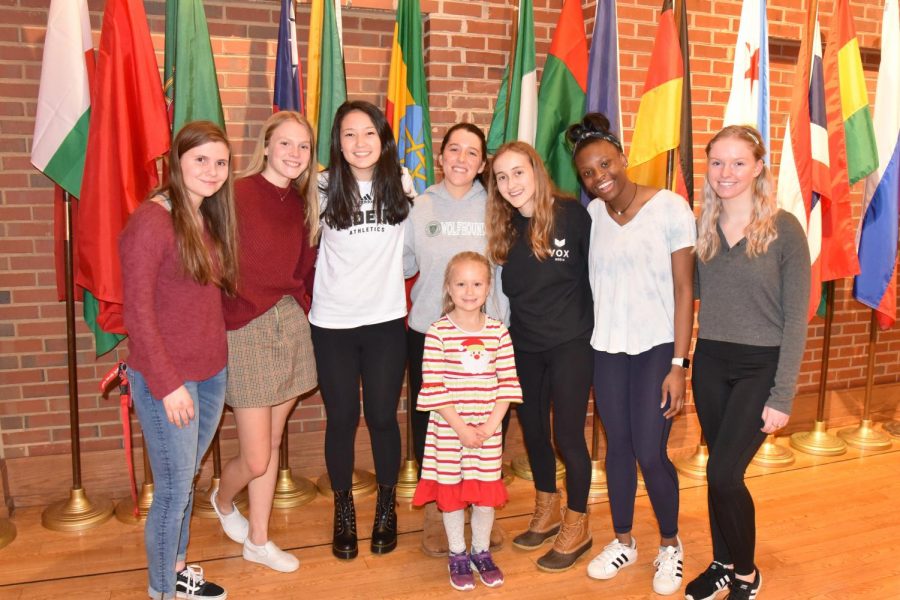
377, 355
560, 377
731, 385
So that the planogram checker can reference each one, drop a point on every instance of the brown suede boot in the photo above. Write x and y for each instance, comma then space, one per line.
573, 541
545, 522
434, 536
498, 536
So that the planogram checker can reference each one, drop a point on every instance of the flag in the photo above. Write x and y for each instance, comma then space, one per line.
326, 85
562, 95
407, 96
515, 114
128, 131
64, 97
748, 103
851, 143
804, 178
603, 71
190, 72
288, 94
660, 120
876, 284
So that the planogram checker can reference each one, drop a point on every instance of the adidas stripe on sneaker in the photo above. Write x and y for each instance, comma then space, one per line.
615, 556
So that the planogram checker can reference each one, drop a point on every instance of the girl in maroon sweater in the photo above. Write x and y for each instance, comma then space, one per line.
270, 357
178, 256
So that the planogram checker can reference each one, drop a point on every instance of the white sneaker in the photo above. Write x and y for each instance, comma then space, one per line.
669, 565
615, 556
234, 524
271, 556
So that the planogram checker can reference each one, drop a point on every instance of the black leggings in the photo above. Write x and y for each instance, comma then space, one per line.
561, 377
377, 354
416, 350
627, 392
731, 384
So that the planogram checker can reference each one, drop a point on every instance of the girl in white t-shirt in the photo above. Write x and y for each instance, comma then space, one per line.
358, 311
641, 271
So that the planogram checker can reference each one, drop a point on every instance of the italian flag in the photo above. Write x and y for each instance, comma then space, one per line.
64, 99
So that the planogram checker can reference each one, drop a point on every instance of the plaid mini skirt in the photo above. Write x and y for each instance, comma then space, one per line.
270, 359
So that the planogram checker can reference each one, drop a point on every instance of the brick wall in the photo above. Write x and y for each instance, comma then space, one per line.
466, 45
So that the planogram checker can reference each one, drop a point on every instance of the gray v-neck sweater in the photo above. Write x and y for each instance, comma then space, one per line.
760, 301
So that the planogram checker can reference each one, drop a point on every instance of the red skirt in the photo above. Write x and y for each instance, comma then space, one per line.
460, 495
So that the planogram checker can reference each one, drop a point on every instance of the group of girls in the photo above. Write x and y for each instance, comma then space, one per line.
523, 297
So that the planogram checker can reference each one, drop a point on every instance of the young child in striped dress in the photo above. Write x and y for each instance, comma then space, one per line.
468, 382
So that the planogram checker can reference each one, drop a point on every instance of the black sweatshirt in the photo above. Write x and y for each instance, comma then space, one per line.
550, 299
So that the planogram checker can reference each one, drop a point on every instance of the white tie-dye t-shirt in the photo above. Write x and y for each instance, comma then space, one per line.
631, 273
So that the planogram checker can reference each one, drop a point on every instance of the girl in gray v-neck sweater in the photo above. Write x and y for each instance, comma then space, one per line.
760, 301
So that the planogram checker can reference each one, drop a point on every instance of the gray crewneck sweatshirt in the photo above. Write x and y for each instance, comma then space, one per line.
760, 301
440, 226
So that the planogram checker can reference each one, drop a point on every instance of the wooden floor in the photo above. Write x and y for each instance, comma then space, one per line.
829, 529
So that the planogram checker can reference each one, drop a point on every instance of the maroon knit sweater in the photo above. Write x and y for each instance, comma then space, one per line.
274, 256
176, 330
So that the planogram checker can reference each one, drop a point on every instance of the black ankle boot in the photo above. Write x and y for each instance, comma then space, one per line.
384, 532
344, 545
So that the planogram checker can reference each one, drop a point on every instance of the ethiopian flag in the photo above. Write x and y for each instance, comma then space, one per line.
562, 95
407, 97
515, 114
326, 84
657, 128
190, 72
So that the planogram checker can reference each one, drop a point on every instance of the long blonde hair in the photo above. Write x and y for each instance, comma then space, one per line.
307, 184
761, 231
499, 213
457, 259
217, 212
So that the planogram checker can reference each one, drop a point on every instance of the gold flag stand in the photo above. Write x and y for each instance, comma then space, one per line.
819, 442
290, 491
771, 455
865, 437
77, 513
125, 508
409, 470
695, 465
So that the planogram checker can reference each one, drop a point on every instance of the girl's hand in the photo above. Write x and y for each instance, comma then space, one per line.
673, 389
773, 420
179, 407
469, 438
484, 432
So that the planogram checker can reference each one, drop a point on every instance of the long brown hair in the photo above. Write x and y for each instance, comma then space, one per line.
499, 213
217, 212
459, 258
761, 231
306, 185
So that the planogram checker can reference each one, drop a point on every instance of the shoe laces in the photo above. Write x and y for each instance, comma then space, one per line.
667, 561
193, 575
483, 561
459, 564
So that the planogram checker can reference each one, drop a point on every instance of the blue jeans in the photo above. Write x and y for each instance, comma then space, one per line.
175, 456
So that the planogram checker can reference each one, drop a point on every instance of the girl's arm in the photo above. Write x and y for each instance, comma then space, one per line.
673, 387
468, 436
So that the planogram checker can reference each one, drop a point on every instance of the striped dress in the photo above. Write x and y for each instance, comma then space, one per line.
470, 371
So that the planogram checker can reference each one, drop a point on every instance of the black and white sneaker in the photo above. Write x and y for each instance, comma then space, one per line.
710, 582
745, 590
191, 585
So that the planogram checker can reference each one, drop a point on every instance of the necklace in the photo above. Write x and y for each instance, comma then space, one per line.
633, 196
284, 194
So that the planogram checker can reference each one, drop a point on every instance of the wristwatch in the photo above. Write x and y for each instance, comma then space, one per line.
684, 363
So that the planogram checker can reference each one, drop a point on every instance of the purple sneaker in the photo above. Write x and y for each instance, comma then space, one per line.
489, 573
461, 577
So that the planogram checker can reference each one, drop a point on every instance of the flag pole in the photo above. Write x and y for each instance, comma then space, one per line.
77, 513
818, 441
409, 470
864, 436
203, 507
598, 489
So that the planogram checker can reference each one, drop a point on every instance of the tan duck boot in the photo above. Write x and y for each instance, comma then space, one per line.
545, 522
434, 536
573, 541
498, 536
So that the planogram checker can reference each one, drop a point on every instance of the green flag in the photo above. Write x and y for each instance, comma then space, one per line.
326, 87
192, 89
515, 114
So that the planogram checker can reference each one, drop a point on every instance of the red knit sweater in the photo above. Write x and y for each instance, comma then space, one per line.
175, 325
274, 256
